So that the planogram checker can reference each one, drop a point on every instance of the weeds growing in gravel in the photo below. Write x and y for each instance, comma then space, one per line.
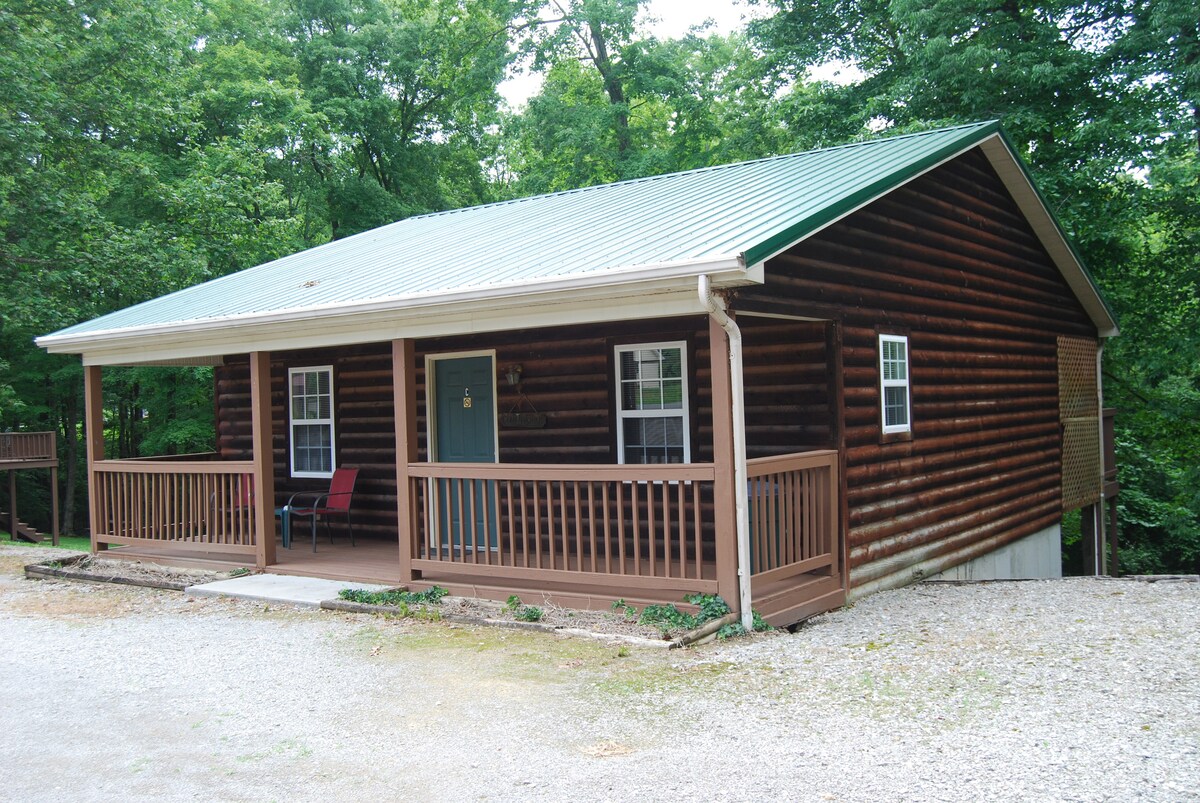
669, 619
522, 612
431, 596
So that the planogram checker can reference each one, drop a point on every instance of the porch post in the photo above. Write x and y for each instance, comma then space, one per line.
54, 487
264, 459
93, 433
724, 498
404, 392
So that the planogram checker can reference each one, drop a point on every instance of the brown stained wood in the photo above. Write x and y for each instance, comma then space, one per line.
791, 511
93, 430
641, 526
950, 472
946, 519
927, 502
264, 459
724, 505
978, 536
171, 503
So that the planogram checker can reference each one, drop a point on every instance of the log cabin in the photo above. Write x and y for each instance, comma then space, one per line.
791, 382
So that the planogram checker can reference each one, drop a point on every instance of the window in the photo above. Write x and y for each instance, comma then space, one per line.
652, 404
311, 414
893, 382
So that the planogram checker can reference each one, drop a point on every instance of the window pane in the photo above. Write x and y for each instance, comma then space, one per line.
311, 408
894, 360
653, 440
672, 394
895, 406
643, 372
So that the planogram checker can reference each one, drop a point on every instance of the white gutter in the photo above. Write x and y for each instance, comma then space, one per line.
488, 296
716, 309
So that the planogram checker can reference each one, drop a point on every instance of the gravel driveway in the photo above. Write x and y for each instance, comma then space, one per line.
1080, 690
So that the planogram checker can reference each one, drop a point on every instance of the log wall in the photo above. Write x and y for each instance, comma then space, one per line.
950, 261
567, 375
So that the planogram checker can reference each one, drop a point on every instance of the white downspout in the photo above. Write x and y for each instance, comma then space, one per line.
716, 308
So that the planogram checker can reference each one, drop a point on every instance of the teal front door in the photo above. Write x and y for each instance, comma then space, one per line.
465, 432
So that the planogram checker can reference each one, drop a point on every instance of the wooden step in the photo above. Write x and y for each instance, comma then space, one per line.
23, 532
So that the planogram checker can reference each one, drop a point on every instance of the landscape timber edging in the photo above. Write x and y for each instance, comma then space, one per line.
44, 571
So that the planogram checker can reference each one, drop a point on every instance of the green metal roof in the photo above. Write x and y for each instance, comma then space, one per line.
680, 223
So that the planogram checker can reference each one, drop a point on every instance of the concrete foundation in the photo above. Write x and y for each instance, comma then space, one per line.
1038, 556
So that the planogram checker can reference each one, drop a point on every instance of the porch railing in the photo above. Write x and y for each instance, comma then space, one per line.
188, 504
27, 446
627, 526
793, 515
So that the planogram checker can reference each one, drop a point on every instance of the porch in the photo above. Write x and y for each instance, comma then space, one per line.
577, 530
581, 536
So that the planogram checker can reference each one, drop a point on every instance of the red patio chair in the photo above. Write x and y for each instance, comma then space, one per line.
322, 505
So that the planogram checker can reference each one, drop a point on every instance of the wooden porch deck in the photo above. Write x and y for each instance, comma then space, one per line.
375, 560
370, 560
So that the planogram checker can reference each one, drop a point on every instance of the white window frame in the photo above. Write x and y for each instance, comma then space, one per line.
885, 383
684, 412
293, 423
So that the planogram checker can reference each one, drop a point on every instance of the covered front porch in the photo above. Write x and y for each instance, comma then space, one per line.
581, 534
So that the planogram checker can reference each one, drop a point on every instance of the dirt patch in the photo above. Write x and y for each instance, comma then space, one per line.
124, 572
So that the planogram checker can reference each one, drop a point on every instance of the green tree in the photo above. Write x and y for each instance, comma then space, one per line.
408, 88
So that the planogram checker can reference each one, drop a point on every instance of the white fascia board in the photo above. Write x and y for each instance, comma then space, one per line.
1015, 179
634, 295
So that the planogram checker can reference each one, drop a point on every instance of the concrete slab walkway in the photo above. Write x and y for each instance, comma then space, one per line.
306, 592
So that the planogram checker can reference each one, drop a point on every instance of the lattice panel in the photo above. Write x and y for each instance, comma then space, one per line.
1079, 414
1080, 463
1077, 395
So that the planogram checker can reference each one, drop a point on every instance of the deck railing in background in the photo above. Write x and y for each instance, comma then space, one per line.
27, 446
793, 514
189, 504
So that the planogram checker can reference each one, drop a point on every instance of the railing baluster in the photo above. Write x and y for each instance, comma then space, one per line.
591, 518
578, 526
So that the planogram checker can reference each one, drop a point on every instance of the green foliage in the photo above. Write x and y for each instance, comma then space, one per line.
522, 612
758, 624
625, 609
529, 613
74, 543
670, 620
430, 596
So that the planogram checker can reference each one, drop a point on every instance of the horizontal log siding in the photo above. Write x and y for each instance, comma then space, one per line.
567, 376
788, 401
950, 261
363, 425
